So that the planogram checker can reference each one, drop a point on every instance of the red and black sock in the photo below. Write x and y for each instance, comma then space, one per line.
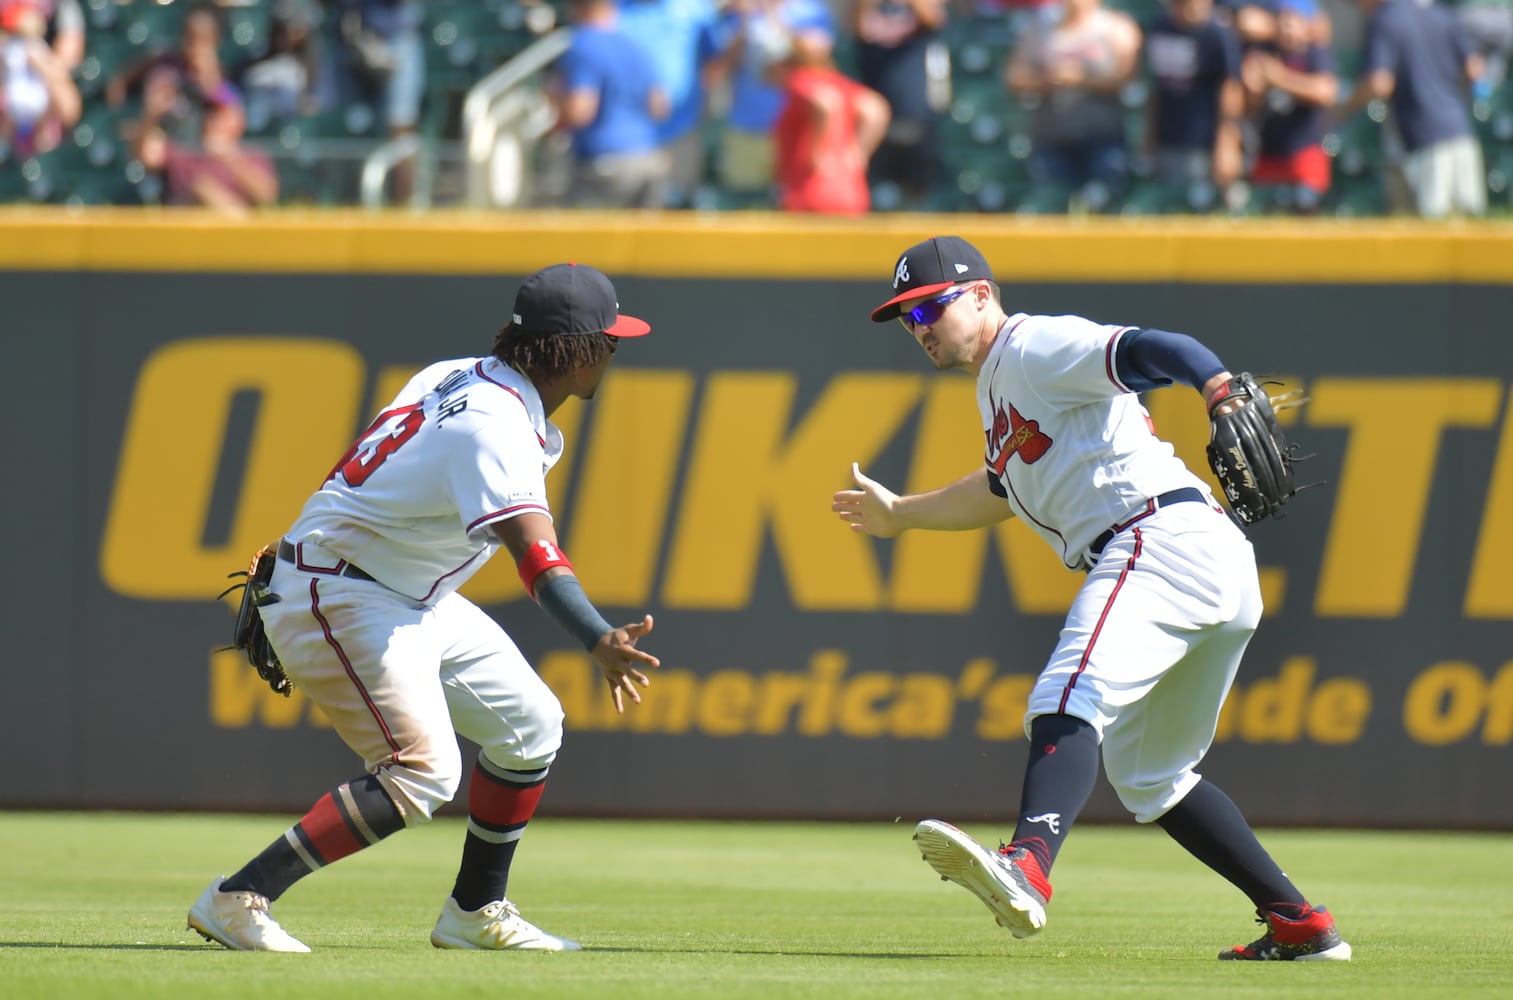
355, 815
500, 804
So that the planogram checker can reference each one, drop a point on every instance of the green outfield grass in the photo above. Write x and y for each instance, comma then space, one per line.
93, 905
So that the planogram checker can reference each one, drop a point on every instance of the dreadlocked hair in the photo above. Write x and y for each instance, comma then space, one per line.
544, 357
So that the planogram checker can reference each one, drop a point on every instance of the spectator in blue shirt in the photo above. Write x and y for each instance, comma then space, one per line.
682, 37
1197, 102
759, 33
1417, 58
608, 97
1488, 25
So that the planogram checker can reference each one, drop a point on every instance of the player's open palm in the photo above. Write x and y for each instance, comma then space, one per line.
868, 508
622, 663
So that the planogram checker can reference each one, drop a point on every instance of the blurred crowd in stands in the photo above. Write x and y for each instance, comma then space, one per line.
842, 107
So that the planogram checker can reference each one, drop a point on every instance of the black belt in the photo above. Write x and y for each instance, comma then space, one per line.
1187, 494
288, 553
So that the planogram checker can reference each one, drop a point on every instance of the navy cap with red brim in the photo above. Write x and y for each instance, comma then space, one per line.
628, 326
930, 267
570, 299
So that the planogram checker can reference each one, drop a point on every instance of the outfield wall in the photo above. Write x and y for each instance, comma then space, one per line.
186, 382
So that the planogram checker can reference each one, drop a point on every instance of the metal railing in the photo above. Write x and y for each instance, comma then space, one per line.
382, 161
502, 120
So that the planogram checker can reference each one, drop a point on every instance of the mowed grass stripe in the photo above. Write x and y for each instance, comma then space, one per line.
93, 904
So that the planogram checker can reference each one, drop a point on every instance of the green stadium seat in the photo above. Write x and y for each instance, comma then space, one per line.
1153, 197
244, 32
1356, 197
1356, 147
149, 25
977, 59
1045, 199
105, 55
996, 31
1143, 11
13, 186
1500, 177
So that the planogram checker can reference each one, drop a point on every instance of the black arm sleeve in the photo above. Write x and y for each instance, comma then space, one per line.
562, 597
1148, 359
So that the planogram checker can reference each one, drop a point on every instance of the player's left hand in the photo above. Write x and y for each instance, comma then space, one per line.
620, 661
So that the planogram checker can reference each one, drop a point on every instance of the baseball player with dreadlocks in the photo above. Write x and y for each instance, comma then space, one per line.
1154, 637
363, 613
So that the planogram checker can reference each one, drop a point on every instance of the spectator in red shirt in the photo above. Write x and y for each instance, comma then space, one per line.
828, 129
1289, 85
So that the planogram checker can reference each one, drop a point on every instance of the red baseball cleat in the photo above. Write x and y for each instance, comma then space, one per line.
1008, 881
1311, 939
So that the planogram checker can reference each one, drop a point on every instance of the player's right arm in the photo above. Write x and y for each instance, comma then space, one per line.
873, 509
551, 582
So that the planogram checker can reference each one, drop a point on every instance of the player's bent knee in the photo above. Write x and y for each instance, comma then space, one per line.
537, 738
422, 785
1149, 800
507, 761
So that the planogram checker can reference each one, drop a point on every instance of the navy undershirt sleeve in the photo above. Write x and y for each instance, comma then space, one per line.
1149, 358
562, 597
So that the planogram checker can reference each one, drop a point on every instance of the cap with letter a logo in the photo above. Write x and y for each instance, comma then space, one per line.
930, 267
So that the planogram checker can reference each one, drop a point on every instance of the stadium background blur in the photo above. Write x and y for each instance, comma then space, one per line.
983, 136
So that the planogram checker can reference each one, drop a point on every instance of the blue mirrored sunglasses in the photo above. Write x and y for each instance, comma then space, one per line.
929, 311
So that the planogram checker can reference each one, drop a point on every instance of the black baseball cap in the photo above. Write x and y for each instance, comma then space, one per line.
932, 266
568, 299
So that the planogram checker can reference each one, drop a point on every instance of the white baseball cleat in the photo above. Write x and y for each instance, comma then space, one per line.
239, 920
998, 878
498, 926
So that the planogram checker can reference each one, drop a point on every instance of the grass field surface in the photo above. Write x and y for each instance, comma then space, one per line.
93, 905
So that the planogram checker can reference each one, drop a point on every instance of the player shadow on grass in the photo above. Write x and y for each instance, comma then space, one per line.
795, 952
589, 949
134, 946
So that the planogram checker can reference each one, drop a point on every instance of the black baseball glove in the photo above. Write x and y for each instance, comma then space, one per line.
249, 635
1248, 451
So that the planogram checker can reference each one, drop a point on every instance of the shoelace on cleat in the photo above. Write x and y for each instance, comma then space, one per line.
254, 901
502, 910
1266, 946
259, 911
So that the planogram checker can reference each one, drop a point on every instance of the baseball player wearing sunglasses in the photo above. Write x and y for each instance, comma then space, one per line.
1153, 639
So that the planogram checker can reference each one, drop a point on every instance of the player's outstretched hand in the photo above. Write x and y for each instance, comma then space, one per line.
868, 508
621, 662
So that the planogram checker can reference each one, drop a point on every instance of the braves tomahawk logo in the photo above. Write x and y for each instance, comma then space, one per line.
1011, 435
901, 273
1051, 820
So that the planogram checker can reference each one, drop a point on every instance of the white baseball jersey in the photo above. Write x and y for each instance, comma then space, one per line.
1072, 446
464, 445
